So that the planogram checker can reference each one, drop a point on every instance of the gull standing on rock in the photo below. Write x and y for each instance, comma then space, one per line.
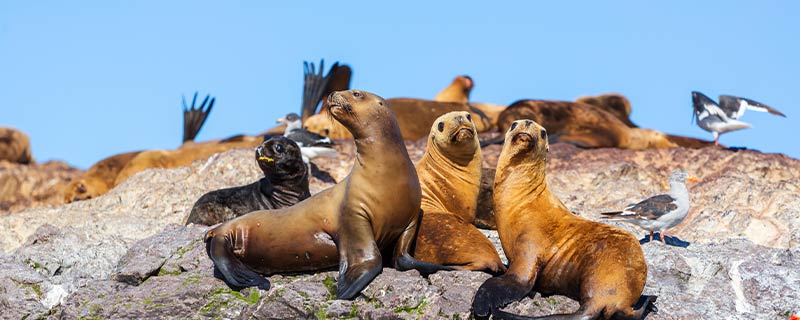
723, 117
661, 212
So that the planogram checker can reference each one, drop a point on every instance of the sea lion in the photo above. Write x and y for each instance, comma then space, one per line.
100, 178
370, 214
285, 183
182, 156
620, 106
552, 251
458, 91
450, 176
583, 125
15, 146
413, 115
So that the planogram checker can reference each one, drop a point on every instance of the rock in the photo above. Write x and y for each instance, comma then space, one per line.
25, 186
127, 255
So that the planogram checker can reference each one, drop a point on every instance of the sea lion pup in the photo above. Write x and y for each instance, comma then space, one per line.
371, 213
551, 250
285, 183
583, 125
450, 176
98, 179
15, 146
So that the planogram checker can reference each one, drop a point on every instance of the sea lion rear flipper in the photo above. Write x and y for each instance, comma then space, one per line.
359, 257
233, 271
403, 260
644, 306
194, 118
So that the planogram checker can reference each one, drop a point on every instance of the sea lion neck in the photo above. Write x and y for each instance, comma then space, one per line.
521, 180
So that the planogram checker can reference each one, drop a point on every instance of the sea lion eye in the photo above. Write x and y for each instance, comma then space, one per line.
513, 125
357, 94
469, 117
441, 126
279, 148
543, 133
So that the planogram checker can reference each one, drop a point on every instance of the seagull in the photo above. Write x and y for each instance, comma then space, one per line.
723, 117
661, 212
311, 144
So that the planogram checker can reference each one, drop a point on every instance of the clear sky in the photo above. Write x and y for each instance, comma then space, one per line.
90, 80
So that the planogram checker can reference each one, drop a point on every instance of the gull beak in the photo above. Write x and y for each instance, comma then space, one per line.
281, 120
268, 159
692, 179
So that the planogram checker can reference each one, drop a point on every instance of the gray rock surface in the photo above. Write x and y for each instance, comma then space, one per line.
126, 254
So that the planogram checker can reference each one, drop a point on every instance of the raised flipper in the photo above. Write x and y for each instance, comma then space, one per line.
402, 258
314, 87
359, 257
194, 118
226, 264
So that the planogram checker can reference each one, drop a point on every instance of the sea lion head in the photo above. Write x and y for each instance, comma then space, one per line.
524, 139
362, 113
279, 158
454, 134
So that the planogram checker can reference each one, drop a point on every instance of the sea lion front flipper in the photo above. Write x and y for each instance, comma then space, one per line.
233, 271
517, 283
644, 306
359, 257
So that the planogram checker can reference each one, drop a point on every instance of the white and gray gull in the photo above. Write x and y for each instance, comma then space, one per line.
723, 117
311, 144
661, 212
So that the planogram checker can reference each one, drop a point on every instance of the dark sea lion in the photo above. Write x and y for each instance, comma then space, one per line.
100, 178
581, 124
15, 146
552, 251
285, 183
450, 175
370, 214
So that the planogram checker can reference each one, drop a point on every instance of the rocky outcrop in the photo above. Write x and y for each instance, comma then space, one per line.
127, 255
25, 186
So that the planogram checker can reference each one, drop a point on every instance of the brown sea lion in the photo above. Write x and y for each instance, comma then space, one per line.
182, 156
100, 178
450, 176
459, 91
370, 214
552, 251
583, 125
15, 146
413, 115
285, 183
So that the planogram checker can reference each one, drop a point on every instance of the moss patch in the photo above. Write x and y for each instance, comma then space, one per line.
415, 309
220, 299
330, 284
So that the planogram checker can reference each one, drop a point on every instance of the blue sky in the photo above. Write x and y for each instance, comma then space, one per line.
91, 80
